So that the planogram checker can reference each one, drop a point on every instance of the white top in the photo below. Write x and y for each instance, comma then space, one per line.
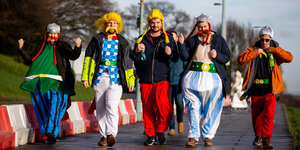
202, 54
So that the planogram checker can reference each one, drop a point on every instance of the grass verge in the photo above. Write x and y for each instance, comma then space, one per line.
293, 114
12, 75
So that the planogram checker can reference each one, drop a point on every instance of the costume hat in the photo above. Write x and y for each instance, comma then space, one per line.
112, 16
53, 27
155, 13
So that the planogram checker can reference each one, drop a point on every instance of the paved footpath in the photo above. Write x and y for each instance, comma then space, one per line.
235, 133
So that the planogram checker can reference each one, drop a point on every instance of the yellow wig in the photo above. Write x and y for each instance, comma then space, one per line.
101, 22
155, 14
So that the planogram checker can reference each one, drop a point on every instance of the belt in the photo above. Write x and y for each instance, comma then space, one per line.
56, 77
261, 81
108, 63
205, 67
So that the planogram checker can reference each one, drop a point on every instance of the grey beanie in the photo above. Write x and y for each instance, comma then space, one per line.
266, 30
53, 27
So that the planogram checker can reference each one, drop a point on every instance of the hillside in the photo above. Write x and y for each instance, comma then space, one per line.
12, 75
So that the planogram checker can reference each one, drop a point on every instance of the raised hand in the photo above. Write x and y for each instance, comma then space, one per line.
181, 38
78, 42
21, 43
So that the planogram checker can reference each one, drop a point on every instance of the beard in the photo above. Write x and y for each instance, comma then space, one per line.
155, 30
111, 31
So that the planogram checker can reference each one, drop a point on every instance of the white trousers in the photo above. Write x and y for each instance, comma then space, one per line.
202, 92
107, 96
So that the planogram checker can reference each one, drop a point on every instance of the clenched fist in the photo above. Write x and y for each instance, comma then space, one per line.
78, 42
21, 43
140, 48
213, 53
168, 50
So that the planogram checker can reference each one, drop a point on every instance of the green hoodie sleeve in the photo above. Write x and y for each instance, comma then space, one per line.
130, 79
88, 70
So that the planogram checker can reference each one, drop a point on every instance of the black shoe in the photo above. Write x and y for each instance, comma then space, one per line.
51, 138
267, 144
161, 138
150, 140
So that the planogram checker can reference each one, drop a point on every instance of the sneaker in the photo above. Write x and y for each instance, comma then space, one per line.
207, 142
102, 142
111, 140
257, 141
180, 127
161, 138
267, 144
51, 139
150, 140
191, 142
171, 132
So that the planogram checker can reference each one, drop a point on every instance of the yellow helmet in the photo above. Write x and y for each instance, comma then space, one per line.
101, 22
155, 13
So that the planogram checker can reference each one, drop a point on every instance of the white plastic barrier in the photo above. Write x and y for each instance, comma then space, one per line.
124, 112
78, 123
20, 124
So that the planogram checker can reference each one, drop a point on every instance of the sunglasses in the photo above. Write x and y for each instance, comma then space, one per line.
267, 40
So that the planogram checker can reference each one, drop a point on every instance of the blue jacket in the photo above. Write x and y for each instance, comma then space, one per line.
156, 66
188, 49
176, 69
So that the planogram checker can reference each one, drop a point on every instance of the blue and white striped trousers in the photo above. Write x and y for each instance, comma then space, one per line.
202, 92
49, 108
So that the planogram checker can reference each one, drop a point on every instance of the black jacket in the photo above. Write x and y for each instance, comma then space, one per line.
156, 66
64, 53
94, 51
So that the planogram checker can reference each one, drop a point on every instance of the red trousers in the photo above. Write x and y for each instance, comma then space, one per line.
157, 107
262, 110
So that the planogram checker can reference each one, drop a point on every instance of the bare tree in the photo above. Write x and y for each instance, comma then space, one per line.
20, 18
77, 17
174, 19
239, 38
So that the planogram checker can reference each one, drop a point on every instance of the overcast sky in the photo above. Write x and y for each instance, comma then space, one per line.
282, 15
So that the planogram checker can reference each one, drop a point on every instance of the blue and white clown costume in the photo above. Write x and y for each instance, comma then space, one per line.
109, 70
107, 89
109, 54
205, 83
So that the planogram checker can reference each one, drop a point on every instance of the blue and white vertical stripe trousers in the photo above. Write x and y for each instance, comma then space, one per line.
49, 108
202, 92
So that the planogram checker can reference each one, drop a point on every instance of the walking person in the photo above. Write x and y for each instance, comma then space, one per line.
49, 79
262, 82
176, 71
152, 53
205, 83
109, 70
